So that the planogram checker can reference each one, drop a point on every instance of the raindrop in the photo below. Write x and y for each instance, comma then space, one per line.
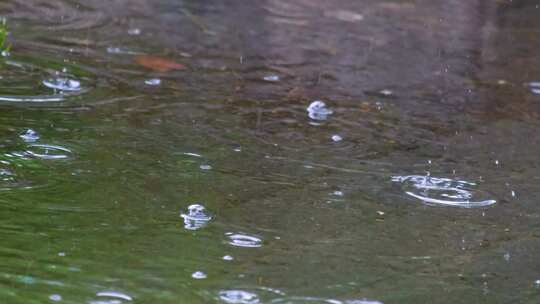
63, 84
442, 191
48, 151
196, 217
55, 297
244, 240
271, 78
205, 167
153, 82
238, 297
228, 258
29, 135
317, 110
199, 275
336, 138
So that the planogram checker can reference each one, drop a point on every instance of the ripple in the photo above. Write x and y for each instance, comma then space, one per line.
63, 84
115, 295
196, 217
244, 240
443, 191
317, 110
48, 151
238, 297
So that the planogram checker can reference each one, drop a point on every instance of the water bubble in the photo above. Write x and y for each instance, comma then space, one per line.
238, 297
115, 295
153, 82
48, 151
196, 217
442, 191
336, 138
244, 240
317, 110
55, 297
199, 275
534, 86
63, 84
271, 78
338, 193
205, 167
228, 258
29, 135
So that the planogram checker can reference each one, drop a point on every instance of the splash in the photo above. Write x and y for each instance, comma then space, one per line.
443, 191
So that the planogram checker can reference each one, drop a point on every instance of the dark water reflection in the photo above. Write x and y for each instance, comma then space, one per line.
429, 103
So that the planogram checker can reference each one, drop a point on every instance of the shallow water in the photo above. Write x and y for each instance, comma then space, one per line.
159, 151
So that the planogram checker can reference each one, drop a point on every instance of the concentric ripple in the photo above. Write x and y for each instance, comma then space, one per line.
48, 151
443, 191
244, 240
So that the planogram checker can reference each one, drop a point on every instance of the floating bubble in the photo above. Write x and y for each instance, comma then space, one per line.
55, 297
317, 110
29, 135
238, 297
196, 217
271, 78
442, 191
48, 151
336, 138
244, 240
199, 275
63, 84
153, 82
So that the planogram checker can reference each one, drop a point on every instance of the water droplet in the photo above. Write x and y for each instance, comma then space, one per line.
506, 257
55, 297
196, 217
237, 149
29, 135
115, 294
228, 258
317, 110
48, 151
537, 282
244, 240
153, 82
205, 167
63, 84
271, 78
238, 297
337, 138
134, 31
442, 191
513, 193
199, 275
61, 254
